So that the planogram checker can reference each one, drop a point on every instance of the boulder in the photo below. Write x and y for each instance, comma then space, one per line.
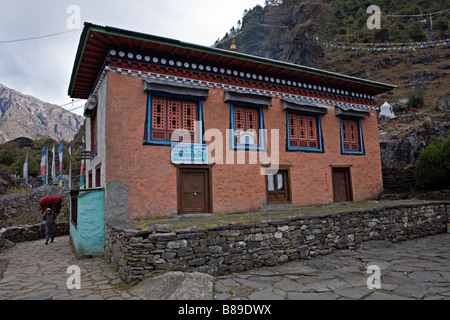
401, 106
176, 286
388, 62
423, 75
444, 105
6, 182
430, 57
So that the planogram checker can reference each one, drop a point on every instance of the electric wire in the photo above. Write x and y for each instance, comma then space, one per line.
38, 37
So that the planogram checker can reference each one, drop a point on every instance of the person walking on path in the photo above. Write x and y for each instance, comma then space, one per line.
50, 225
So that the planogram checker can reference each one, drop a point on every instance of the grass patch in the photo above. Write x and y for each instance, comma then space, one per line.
221, 219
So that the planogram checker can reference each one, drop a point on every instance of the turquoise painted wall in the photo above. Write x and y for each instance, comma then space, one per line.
88, 237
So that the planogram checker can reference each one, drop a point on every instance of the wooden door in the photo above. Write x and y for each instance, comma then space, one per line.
278, 188
342, 190
194, 191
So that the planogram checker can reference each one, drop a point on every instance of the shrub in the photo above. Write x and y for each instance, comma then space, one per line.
416, 99
342, 30
432, 171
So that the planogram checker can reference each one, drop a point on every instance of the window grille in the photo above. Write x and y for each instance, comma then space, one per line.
304, 132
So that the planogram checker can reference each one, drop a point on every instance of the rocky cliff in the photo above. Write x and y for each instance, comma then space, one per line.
22, 208
26, 116
402, 139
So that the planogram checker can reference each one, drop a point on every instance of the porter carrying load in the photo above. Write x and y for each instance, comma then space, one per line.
54, 203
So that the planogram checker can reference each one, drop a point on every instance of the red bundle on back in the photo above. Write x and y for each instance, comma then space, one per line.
54, 203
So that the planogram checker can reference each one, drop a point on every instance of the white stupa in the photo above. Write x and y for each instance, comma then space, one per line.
386, 110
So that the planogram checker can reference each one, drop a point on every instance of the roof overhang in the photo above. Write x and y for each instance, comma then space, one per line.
247, 97
96, 42
173, 87
353, 111
304, 106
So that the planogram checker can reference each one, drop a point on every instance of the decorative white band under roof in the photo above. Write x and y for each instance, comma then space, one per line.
201, 83
182, 63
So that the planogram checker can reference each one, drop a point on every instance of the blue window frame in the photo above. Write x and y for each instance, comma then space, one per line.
304, 132
182, 109
247, 126
352, 141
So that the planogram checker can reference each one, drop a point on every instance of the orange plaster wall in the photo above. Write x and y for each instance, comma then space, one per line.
148, 172
145, 169
236, 187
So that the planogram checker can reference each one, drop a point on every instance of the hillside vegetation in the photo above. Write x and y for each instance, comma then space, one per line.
13, 153
304, 31
265, 31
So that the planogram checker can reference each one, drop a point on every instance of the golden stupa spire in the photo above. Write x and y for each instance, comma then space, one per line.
233, 46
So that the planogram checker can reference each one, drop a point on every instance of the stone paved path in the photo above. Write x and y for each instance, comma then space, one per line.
416, 269
33, 268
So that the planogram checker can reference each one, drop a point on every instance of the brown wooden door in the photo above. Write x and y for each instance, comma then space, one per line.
341, 185
193, 191
278, 188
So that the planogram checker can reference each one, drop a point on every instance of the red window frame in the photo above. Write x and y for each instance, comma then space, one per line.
90, 179
169, 114
98, 176
74, 208
351, 135
303, 131
246, 119
94, 140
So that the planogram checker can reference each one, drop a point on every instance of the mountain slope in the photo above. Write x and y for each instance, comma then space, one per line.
301, 31
26, 116
282, 27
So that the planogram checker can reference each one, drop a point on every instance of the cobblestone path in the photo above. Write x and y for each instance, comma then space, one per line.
33, 268
415, 269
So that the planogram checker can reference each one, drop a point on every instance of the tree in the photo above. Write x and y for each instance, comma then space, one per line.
416, 32
7, 157
411, 9
382, 35
361, 16
441, 24
395, 32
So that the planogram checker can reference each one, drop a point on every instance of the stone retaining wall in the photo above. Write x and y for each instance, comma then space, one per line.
30, 233
397, 179
235, 248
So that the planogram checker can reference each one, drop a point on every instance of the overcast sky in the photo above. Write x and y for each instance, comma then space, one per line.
42, 67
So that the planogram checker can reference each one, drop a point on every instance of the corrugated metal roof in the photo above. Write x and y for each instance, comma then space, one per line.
96, 41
